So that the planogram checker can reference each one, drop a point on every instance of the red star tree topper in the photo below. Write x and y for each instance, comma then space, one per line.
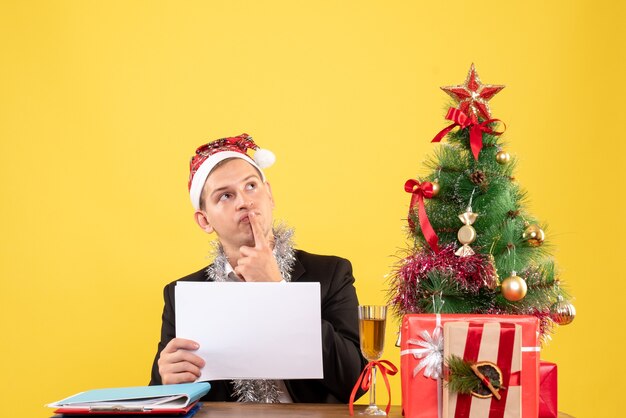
473, 96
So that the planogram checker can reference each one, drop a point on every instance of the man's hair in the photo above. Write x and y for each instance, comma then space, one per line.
221, 163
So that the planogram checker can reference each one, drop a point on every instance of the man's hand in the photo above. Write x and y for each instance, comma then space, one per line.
177, 364
257, 264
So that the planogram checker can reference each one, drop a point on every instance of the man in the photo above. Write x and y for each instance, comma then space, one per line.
232, 198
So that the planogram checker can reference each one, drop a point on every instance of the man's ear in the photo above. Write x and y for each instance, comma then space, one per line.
269, 191
203, 221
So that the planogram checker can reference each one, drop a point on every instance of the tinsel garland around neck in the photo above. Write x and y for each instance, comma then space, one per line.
258, 390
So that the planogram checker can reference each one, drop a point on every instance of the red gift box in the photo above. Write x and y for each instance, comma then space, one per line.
548, 393
498, 344
421, 357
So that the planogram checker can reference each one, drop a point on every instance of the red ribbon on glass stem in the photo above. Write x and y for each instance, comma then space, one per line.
419, 191
461, 120
364, 380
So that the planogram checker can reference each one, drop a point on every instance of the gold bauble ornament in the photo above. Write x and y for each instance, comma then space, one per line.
534, 235
503, 157
514, 288
436, 187
562, 313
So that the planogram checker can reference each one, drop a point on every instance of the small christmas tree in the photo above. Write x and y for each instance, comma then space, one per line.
476, 247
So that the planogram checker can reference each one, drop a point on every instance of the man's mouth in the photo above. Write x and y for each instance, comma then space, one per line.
245, 218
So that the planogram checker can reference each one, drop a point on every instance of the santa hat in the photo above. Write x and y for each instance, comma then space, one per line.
209, 155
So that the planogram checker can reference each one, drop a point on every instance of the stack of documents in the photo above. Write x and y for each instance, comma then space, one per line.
278, 335
167, 400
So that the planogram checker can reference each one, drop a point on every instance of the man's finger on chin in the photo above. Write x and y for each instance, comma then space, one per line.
257, 230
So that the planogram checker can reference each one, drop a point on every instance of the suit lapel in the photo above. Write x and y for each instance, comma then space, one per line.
298, 268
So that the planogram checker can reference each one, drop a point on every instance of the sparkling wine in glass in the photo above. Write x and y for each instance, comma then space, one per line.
372, 319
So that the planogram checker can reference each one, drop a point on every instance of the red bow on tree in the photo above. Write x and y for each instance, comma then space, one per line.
419, 191
461, 120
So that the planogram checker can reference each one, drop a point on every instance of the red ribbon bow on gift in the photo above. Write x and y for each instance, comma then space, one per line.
364, 380
420, 191
461, 120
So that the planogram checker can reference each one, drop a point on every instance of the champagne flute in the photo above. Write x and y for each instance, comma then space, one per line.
372, 319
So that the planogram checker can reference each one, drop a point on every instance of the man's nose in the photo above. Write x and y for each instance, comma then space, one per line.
243, 203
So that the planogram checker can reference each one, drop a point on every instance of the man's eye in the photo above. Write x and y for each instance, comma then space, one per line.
250, 186
225, 196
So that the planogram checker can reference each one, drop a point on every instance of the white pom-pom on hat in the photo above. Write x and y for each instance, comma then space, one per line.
264, 157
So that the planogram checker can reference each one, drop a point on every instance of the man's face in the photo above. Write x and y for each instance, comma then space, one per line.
231, 191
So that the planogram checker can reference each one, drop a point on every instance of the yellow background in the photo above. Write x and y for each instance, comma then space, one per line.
103, 103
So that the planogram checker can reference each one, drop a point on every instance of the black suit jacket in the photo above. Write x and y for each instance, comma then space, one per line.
342, 359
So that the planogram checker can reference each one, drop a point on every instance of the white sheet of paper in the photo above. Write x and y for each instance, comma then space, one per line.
253, 330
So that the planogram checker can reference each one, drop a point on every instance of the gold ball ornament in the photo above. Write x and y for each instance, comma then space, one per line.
563, 313
503, 157
514, 288
436, 187
534, 235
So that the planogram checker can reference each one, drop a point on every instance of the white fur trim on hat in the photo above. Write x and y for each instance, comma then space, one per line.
197, 183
